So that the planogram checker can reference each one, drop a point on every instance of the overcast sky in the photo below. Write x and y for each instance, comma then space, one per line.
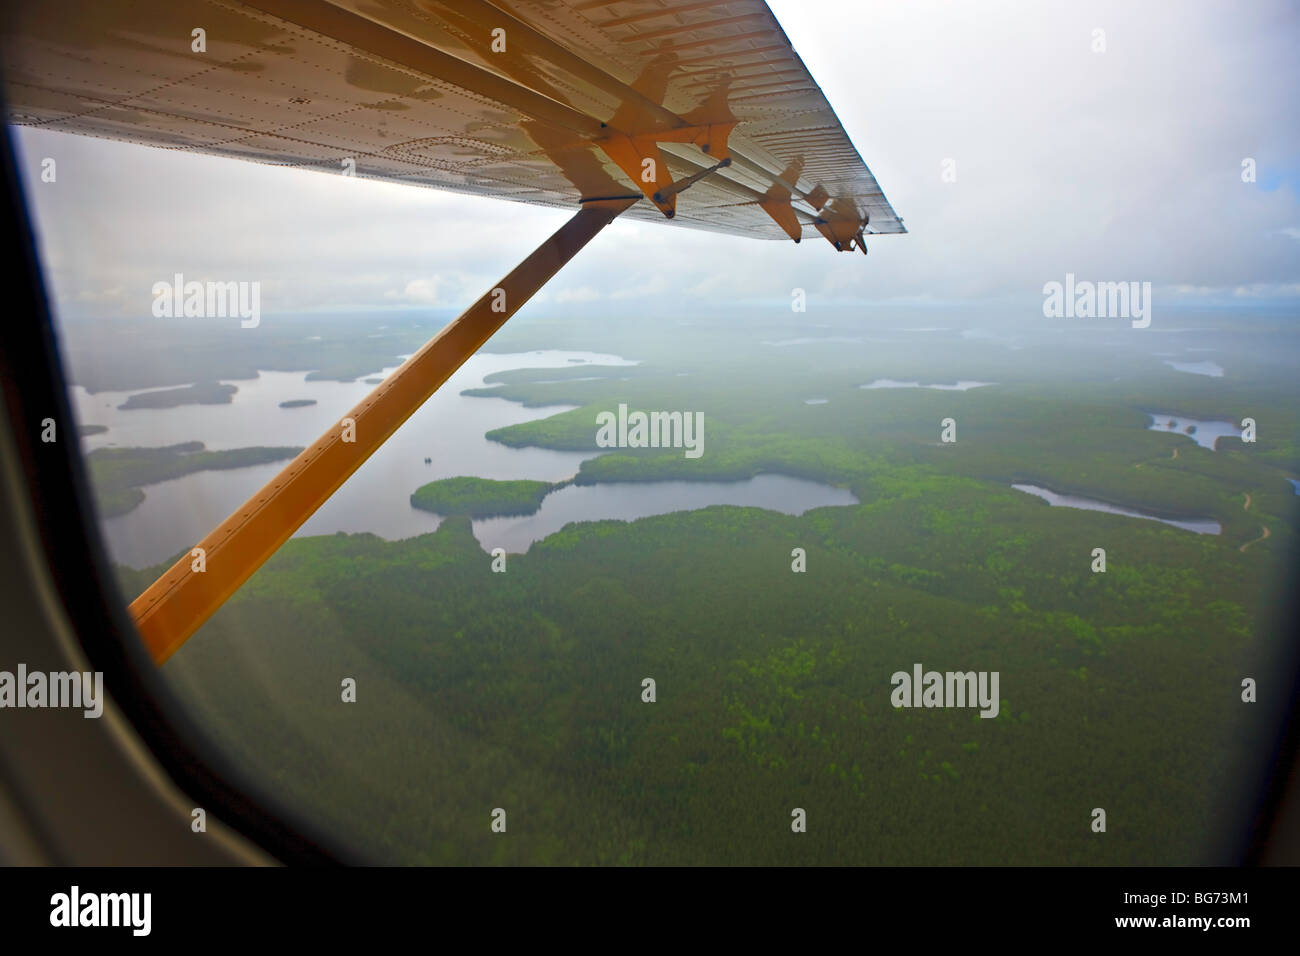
1122, 165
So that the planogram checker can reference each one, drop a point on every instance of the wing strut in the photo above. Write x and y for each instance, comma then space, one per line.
188, 593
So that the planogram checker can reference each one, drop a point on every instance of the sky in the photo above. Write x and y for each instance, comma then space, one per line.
1121, 165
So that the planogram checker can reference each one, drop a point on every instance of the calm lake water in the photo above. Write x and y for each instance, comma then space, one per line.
449, 428
961, 386
1199, 525
636, 499
1212, 369
1207, 433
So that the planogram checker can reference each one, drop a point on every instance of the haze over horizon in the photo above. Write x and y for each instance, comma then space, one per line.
1123, 165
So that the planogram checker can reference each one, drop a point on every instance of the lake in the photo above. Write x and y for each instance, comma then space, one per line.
1206, 434
961, 386
641, 499
1212, 369
1198, 525
449, 428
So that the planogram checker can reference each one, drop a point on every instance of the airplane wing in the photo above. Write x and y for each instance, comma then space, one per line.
549, 102
699, 106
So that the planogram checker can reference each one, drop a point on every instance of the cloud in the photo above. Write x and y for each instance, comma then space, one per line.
418, 292
1123, 165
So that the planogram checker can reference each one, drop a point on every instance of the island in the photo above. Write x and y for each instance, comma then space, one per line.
298, 403
200, 393
481, 497
84, 430
117, 474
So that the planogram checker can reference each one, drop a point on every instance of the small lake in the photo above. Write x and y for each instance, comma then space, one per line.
1199, 525
960, 386
1212, 369
628, 500
1205, 433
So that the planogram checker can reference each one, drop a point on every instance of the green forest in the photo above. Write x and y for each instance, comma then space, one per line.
118, 474
522, 689
200, 393
481, 497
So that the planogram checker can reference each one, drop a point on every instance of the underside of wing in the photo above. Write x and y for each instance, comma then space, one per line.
702, 107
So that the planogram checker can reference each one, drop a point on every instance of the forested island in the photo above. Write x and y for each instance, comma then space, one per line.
298, 403
201, 393
117, 474
481, 497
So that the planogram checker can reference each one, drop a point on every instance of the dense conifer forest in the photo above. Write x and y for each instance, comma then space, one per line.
524, 689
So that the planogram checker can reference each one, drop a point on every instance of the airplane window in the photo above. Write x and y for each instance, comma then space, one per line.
721, 550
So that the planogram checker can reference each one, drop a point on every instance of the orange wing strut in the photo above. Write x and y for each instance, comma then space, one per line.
177, 604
